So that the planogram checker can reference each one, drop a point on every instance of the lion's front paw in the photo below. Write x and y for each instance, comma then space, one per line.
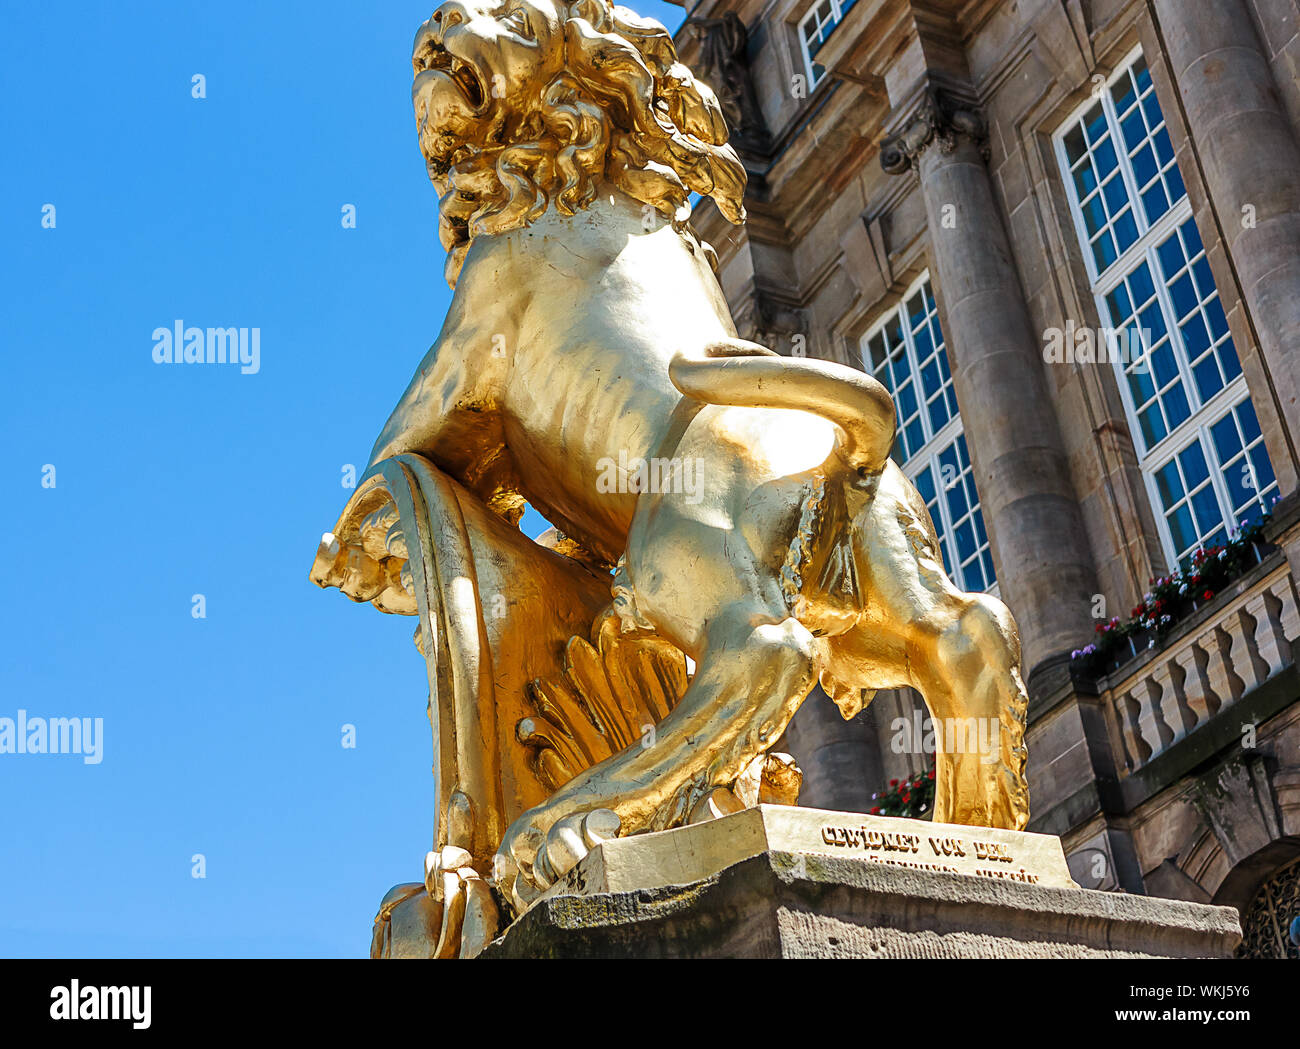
538, 849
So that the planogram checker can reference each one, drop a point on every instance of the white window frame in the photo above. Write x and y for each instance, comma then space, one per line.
936, 441
837, 16
1204, 414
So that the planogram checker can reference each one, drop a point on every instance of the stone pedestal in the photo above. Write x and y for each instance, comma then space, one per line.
778, 882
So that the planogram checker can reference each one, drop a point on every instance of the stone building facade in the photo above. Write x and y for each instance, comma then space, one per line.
1066, 234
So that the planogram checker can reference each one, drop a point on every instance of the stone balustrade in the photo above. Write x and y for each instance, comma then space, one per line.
1224, 651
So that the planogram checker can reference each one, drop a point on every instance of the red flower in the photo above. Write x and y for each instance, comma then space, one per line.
931, 773
1208, 595
1098, 628
876, 811
906, 798
893, 783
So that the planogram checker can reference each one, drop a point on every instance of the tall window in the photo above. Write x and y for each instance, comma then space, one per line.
815, 29
906, 352
1199, 441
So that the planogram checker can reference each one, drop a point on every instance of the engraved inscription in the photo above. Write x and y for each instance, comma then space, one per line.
885, 847
865, 838
1020, 875
992, 850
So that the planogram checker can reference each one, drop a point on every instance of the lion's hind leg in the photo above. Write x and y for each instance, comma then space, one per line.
960, 651
967, 667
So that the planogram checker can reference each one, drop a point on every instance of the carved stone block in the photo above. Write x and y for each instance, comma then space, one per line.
796, 903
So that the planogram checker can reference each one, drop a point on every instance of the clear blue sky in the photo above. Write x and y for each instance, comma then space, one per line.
222, 736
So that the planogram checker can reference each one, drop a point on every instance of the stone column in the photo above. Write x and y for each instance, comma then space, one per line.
1043, 557
840, 762
1251, 163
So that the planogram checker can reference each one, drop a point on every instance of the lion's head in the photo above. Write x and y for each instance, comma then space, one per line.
523, 102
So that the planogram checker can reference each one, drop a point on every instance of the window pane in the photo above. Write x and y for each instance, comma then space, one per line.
1123, 94
1141, 74
1104, 252
1126, 232
1163, 364
1249, 421
924, 481
965, 536
1164, 148
1208, 514
1169, 484
1134, 128
1075, 147
1182, 529
1227, 441
1155, 201
1118, 303
1241, 484
1174, 402
1152, 424
1196, 339
1094, 124
1194, 468
1141, 285
1144, 166
1184, 295
915, 438
1218, 322
906, 400
1085, 180
957, 505
1174, 184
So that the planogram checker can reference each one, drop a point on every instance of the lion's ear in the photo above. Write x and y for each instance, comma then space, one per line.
694, 106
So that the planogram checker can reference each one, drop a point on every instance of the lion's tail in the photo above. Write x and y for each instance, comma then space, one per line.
746, 375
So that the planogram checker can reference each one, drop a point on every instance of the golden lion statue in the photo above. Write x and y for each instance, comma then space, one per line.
745, 502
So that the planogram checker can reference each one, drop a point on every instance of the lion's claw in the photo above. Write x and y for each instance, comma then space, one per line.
528, 863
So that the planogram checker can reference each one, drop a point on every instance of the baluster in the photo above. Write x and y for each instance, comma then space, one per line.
1227, 682
1136, 749
1153, 712
1254, 664
1200, 697
1271, 642
1169, 676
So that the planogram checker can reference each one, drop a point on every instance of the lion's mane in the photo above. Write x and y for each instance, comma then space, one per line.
624, 110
